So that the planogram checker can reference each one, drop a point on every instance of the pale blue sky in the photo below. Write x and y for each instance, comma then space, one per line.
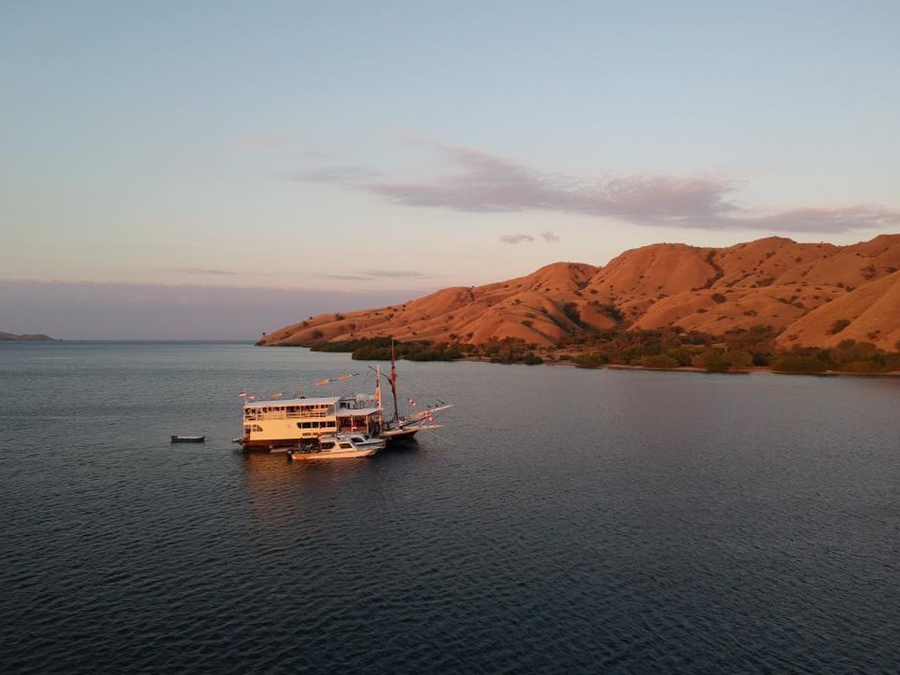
377, 148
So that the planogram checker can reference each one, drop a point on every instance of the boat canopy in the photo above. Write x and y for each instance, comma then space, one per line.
284, 402
356, 412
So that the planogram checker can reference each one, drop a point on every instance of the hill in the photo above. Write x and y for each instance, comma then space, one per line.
37, 337
800, 290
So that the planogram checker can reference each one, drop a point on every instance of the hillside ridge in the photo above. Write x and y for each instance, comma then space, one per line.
810, 294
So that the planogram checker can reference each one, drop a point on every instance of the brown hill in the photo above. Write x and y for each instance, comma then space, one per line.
798, 289
870, 313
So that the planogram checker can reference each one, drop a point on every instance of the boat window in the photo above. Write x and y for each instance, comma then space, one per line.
327, 446
346, 446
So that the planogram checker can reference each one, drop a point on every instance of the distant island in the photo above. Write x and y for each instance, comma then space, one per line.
37, 337
771, 303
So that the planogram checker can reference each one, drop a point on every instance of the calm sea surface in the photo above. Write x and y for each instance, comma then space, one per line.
565, 521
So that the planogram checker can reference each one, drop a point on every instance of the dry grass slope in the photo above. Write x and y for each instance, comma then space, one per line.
801, 290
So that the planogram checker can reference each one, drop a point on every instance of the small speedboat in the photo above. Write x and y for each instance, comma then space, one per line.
335, 447
188, 439
363, 441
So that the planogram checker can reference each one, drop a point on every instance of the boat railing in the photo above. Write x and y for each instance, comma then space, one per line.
285, 414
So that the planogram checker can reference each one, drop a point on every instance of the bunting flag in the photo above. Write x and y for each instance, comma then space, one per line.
322, 383
412, 404
243, 394
251, 397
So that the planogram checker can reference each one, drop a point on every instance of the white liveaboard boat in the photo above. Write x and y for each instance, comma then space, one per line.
287, 425
338, 447
276, 424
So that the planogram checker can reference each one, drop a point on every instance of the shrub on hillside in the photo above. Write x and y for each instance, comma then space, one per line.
681, 355
658, 361
738, 358
838, 326
799, 363
863, 367
590, 360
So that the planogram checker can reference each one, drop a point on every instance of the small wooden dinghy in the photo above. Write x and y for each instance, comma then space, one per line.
188, 439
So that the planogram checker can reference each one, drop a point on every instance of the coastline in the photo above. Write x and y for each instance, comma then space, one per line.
552, 358
696, 369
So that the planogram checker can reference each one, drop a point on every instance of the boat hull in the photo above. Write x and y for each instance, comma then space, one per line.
334, 454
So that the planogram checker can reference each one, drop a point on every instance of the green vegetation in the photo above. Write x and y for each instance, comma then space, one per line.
379, 349
849, 356
669, 348
674, 348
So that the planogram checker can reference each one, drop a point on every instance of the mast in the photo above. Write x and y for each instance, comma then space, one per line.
394, 381
378, 394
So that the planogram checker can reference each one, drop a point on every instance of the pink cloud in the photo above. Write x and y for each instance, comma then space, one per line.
515, 238
475, 180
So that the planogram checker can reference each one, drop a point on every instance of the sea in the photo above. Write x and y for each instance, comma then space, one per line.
563, 520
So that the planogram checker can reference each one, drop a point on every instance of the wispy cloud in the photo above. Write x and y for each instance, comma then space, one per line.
396, 274
481, 182
369, 275
546, 235
202, 271
549, 237
347, 277
515, 238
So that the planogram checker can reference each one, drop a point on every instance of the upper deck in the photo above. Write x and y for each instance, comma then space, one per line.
310, 408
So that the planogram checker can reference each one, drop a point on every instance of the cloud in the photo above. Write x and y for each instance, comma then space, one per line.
481, 182
546, 235
199, 270
515, 238
395, 274
369, 275
549, 237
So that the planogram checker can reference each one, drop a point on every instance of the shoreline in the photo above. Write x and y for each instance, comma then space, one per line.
696, 369
623, 366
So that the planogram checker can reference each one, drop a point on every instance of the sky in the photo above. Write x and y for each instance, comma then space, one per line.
253, 163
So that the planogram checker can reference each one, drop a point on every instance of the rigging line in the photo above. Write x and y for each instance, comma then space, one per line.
449, 442
421, 390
